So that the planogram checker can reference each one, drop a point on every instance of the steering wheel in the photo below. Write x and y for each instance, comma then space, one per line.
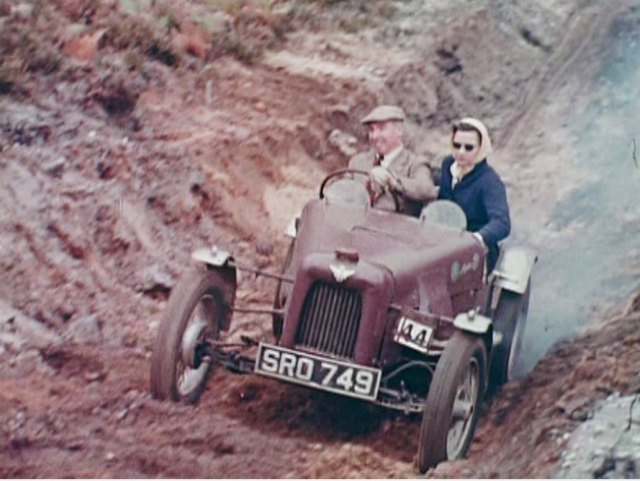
343, 172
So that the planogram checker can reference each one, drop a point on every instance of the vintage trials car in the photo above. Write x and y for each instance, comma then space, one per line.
371, 304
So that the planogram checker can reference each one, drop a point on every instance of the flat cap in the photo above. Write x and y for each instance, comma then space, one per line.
384, 112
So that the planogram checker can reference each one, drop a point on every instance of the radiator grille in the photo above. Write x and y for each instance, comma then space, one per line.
330, 319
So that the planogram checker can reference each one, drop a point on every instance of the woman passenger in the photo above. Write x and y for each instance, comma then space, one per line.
469, 181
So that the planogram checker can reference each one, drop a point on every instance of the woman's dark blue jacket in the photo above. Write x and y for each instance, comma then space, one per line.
483, 198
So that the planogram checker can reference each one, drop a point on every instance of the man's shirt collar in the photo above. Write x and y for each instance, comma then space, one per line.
391, 156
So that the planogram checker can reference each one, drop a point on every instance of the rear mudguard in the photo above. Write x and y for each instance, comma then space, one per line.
514, 268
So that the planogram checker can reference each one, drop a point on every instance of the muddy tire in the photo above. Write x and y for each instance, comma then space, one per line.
453, 403
509, 322
193, 316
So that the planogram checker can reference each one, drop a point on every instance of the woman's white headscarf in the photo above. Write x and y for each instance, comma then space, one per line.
485, 140
484, 150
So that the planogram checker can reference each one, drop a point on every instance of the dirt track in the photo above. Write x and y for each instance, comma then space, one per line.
100, 213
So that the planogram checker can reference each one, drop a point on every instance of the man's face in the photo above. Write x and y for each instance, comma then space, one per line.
385, 136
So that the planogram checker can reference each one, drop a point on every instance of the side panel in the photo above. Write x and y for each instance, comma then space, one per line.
434, 293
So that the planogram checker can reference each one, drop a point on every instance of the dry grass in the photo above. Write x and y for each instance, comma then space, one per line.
5, 8
34, 32
252, 29
25, 50
138, 35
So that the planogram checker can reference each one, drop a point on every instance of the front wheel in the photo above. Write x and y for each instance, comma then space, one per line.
452, 406
195, 311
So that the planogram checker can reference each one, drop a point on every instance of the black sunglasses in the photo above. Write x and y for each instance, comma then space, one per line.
467, 147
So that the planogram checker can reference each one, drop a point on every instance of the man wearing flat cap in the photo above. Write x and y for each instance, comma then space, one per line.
392, 167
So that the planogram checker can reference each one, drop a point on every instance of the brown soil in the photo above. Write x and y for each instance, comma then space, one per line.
111, 175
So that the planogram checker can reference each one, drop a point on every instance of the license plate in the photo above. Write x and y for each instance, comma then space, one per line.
413, 334
318, 372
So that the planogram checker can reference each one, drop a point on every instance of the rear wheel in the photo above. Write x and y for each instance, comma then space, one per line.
452, 406
509, 322
196, 308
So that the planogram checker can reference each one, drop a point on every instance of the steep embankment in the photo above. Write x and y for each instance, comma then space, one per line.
130, 135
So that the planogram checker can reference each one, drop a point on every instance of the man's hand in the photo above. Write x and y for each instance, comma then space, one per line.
382, 179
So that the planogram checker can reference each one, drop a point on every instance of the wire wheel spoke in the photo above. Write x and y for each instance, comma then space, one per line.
463, 409
197, 331
189, 379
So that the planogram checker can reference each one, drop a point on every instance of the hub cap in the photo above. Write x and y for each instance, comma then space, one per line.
191, 371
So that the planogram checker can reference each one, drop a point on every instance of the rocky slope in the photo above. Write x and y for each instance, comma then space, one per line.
133, 132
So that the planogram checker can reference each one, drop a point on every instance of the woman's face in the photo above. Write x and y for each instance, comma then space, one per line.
465, 147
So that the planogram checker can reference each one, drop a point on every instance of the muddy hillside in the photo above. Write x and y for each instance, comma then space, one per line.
133, 132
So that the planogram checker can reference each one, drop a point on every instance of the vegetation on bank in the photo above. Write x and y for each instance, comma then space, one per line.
57, 37
52, 37
117, 45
